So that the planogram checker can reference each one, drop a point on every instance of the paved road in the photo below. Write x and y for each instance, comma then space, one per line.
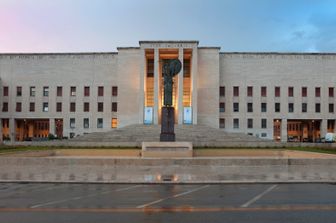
101, 203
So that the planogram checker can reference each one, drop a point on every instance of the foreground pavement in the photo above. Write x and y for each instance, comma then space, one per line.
73, 203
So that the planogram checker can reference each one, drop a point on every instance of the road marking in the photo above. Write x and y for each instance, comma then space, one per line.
174, 196
80, 197
247, 204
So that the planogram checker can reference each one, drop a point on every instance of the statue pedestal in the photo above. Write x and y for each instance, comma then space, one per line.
167, 124
167, 149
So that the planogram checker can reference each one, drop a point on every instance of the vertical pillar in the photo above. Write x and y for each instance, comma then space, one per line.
194, 77
142, 90
12, 130
283, 130
156, 86
323, 127
0, 131
180, 90
52, 126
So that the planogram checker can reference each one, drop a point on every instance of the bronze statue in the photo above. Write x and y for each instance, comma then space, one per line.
170, 69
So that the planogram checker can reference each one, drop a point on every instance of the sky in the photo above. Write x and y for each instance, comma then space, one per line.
103, 25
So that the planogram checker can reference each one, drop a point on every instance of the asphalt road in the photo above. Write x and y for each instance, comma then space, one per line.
46, 203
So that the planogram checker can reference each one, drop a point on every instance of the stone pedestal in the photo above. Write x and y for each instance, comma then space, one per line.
167, 124
167, 149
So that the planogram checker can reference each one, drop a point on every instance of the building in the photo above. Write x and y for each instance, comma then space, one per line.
280, 96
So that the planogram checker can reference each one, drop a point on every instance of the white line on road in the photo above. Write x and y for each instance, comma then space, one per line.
258, 196
174, 196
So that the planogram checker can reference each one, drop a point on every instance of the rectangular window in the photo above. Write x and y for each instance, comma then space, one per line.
114, 106
18, 107
45, 107
331, 92
263, 91
59, 107
304, 107
235, 107
5, 107
304, 91
72, 123
19, 91
263, 123
236, 123
86, 107
222, 91
290, 91
317, 92
100, 107
277, 92
72, 91
31, 106
86, 91
32, 91
222, 123
317, 107
222, 107
249, 91
114, 123
72, 107
249, 107
331, 108
45, 91
99, 123
250, 123
86, 123
59, 91
277, 107
5, 91
100, 91
114, 91
263, 107
290, 107
236, 91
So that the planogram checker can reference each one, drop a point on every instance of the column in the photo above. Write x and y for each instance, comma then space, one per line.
283, 130
323, 128
194, 76
12, 130
156, 86
0, 131
142, 93
52, 126
180, 90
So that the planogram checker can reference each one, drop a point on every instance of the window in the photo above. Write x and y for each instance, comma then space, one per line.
235, 107
250, 123
249, 107
277, 107
18, 107
222, 91
264, 134
317, 107
59, 91
100, 91
114, 106
86, 107
59, 107
263, 123
45, 107
291, 107
277, 92
263, 92
100, 106
86, 123
31, 106
249, 91
86, 91
304, 91
263, 107
72, 123
331, 108
114, 123
331, 92
290, 91
222, 107
18, 91
99, 123
236, 123
114, 91
236, 91
45, 91
5, 91
317, 92
5, 107
72, 91
222, 123
72, 107
32, 91
304, 107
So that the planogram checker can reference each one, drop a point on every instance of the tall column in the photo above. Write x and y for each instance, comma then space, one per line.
142, 93
156, 86
194, 77
323, 127
180, 89
52, 126
12, 130
0, 131
283, 130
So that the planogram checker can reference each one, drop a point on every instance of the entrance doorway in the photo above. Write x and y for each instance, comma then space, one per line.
303, 130
29, 129
59, 128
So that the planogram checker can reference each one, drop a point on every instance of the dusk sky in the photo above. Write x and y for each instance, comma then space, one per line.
103, 25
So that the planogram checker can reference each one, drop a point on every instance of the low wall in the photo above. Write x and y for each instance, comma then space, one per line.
153, 170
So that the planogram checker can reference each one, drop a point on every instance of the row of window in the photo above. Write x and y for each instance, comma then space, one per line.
263, 91
249, 123
86, 123
263, 106
45, 107
59, 91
